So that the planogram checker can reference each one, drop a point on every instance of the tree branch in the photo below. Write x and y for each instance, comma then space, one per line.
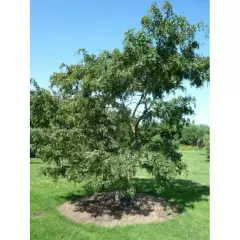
144, 112
139, 102
147, 108
125, 107
123, 102
130, 103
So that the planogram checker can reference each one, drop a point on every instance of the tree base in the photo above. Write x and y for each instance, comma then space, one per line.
103, 209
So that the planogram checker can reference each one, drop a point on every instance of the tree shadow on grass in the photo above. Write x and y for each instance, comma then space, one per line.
175, 198
182, 193
34, 162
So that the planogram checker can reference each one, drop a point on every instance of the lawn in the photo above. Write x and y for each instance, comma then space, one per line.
191, 193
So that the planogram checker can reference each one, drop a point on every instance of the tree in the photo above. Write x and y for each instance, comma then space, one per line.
192, 134
200, 143
103, 101
43, 107
207, 145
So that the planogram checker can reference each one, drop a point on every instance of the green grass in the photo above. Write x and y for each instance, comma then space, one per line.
191, 193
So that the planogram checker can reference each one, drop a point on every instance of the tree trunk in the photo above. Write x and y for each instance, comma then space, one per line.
117, 196
134, 144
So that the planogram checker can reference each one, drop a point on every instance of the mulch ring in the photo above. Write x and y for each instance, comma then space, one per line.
104, 210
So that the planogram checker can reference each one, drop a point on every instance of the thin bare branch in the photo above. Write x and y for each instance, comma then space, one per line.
130, 103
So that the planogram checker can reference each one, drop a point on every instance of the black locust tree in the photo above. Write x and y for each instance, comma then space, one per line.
95, 133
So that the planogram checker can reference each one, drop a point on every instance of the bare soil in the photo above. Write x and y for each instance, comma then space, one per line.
38, 214
102, 209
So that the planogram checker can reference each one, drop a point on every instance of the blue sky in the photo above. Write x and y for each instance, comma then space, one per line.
59, 28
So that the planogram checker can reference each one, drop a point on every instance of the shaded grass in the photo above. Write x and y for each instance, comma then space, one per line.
190, 194
187, 147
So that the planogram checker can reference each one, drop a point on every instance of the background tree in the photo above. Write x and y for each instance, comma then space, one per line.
207, 145
104, 100
192, 133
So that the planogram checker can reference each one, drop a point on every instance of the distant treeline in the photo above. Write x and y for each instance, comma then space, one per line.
193, 133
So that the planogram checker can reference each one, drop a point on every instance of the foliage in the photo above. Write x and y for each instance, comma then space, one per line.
43, 107
90, 125
207, 145
192, 133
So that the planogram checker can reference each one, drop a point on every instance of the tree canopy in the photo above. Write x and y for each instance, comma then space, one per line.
93, 126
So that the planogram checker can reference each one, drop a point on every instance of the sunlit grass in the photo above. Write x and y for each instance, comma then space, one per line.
192, 195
